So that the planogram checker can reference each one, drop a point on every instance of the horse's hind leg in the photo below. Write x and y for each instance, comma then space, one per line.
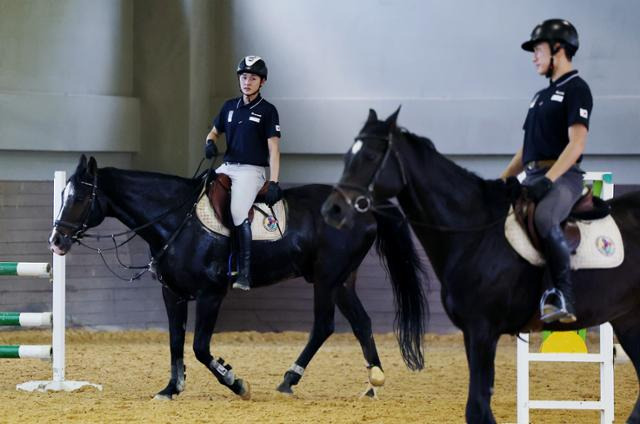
352, 309
177, 313
323, 327
627, 329
480, 344
207, 307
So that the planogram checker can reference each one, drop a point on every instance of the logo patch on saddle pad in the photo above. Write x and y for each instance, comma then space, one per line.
600, 243
262, 227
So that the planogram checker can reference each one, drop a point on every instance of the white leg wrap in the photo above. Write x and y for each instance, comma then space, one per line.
297, 369
227, 375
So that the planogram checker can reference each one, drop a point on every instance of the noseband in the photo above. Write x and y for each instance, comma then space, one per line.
78, 230
364, 201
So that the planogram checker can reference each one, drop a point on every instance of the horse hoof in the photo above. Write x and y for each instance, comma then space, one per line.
370, 393
162, 397
376, 376
245, 393
284, 388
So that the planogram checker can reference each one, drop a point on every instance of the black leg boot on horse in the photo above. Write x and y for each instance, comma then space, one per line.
243, 256
557, 304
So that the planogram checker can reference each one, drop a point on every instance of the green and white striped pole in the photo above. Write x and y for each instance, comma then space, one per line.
26, 319
26, 351
25, 269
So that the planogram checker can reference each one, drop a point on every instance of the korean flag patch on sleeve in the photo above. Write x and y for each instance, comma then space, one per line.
584, 113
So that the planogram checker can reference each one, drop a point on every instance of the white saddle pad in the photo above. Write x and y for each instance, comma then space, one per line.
600, 243
262, 227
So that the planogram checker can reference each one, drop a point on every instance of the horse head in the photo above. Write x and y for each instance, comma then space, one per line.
372, 171
81, 207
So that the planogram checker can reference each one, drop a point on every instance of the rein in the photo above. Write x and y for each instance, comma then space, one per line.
379, 209
80, 232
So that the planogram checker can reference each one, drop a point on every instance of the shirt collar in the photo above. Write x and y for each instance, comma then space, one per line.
566, 77
251, 104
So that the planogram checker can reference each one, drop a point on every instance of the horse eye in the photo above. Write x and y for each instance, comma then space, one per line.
369, 155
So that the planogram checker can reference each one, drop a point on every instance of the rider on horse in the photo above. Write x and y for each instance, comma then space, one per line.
555, 133
252, 129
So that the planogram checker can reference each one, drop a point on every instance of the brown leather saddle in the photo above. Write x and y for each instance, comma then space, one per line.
219, 194
586, 208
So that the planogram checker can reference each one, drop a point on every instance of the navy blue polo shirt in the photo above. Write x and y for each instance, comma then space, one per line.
552, 111
247, 128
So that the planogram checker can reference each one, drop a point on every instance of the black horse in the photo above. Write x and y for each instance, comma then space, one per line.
191, 262
487, 289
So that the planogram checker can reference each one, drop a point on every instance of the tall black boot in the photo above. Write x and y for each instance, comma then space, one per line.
243, 256
558, 304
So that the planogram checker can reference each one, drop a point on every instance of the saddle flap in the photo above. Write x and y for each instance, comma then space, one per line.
524, 210
219, 195
267, 225
601, 245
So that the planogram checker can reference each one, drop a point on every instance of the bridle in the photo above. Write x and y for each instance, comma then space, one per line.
364, 201
78, 230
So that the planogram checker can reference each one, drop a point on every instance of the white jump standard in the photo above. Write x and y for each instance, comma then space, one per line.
604, 358
56, 318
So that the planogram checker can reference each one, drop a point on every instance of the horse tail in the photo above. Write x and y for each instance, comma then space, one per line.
399, 257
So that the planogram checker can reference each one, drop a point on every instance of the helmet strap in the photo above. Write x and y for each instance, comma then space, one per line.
554, 50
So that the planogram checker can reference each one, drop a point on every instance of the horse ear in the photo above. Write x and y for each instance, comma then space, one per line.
82, 163
392, 120
93, 166
373, 116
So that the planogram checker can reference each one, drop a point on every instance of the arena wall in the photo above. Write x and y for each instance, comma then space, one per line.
136, 83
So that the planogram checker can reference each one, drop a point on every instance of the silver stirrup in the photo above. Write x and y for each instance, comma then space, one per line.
550, 312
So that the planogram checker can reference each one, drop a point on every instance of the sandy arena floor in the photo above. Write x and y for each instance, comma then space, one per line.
133, 366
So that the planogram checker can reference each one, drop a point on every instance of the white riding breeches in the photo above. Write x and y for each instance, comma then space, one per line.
246, 182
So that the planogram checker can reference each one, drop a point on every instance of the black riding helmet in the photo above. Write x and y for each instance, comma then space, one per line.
253, 65
554, 31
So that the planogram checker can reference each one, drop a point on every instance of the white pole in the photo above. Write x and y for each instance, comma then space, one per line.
606, 374
58, 306
522, 378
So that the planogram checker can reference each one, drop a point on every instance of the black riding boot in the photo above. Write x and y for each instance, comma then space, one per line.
243, 256
558, 304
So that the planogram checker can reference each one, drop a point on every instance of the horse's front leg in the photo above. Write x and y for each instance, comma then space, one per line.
351, 307
207, 307
480, 344
323, 326
177, 313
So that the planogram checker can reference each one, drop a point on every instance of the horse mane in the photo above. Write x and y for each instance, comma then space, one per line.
494, 190
160, 177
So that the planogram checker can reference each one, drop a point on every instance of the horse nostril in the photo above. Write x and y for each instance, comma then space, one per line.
335, 210
54, 239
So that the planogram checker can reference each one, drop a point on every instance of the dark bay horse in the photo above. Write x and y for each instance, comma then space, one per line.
487, 289
191, 263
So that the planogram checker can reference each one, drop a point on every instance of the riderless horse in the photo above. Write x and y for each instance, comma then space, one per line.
459, 218
191, 262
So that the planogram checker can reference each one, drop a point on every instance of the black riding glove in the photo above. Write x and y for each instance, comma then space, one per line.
210, 149
273, 194
539, 189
